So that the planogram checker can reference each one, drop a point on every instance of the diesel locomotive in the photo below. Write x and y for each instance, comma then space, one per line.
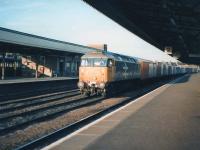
101, 70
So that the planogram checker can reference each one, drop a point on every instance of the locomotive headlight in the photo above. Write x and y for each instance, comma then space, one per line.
102, 85
80, 85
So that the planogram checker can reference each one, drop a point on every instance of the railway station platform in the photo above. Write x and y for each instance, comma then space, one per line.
167, 118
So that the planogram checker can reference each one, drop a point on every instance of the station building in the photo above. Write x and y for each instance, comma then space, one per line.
27, 55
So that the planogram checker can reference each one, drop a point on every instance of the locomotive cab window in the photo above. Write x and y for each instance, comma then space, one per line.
100, 62
94, 62
110, 63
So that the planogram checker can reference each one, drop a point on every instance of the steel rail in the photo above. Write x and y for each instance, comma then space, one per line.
39, 101
52, 115
15, 101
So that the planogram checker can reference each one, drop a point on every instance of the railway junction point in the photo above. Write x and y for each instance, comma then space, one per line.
166, 118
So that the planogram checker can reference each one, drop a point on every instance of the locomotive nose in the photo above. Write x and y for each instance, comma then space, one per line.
95, 75
95, 78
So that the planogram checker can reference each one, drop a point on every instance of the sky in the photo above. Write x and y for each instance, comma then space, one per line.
76, 22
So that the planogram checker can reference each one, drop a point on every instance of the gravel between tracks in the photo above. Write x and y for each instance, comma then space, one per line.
20, 137
42, 105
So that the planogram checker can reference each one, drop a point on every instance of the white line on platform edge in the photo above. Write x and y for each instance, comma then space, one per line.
58, 142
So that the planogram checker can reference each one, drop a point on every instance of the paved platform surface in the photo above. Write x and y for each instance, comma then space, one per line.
166, 119
24, 80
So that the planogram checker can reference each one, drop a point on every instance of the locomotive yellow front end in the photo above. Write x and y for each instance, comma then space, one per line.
94, 74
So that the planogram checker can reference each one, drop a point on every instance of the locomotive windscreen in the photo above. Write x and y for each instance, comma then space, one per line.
94, 62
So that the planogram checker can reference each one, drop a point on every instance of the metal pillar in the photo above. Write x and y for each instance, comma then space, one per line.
15, 68
15, 65
36, 65
3, 67
36, 70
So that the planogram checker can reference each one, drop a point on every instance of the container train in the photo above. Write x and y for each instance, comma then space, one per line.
100, 71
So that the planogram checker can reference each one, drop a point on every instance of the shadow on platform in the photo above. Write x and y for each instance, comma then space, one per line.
183, 80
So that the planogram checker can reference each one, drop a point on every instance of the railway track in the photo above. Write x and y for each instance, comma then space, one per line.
15, 121
29, 89
47, 139
13, 105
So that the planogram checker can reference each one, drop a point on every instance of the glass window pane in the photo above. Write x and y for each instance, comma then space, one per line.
90, 62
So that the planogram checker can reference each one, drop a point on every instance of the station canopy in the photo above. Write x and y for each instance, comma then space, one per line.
19, 42
163, 23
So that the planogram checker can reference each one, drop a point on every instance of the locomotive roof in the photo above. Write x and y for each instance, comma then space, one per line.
106, 54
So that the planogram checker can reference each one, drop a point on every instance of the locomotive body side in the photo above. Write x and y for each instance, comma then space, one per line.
126, 71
